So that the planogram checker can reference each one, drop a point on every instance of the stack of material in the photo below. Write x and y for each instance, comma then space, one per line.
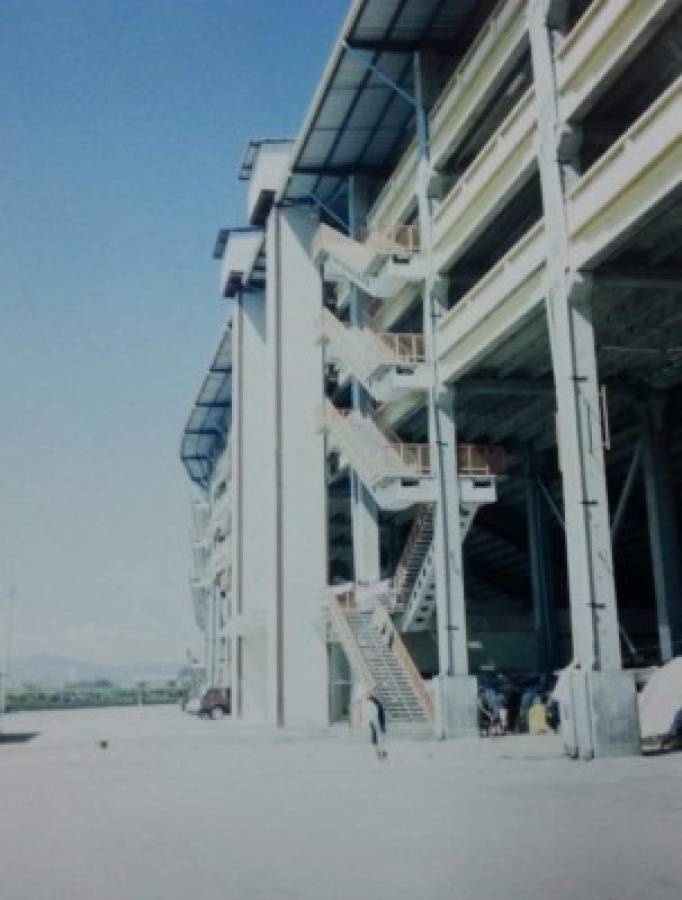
661, 700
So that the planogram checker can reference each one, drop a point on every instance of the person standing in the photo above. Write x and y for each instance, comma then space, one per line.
374, 715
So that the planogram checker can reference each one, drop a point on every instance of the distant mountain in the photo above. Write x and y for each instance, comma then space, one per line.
46, 670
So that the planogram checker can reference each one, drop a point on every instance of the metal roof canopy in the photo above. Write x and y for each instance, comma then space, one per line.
209, 422
356, 122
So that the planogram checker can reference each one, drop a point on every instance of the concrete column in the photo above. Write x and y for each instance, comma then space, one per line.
212, 637
540, 567
237, 441
664, 537
452, 629
236, 676
207, 642
274, 331
302, 521
364, 510
253, 491
456, 707
594, 619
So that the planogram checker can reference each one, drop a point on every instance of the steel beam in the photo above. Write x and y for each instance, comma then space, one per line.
633, 278
506, 387
540, 564
664, 537
626, 492
551, 503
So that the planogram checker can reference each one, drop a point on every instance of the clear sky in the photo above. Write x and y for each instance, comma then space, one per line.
122, 123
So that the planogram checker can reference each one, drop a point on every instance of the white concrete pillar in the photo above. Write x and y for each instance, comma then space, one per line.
253, 492
300, 654
452, 627
579, 424
235, 677
364, 510
610, 727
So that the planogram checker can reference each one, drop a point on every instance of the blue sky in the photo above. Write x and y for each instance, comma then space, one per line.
123, 125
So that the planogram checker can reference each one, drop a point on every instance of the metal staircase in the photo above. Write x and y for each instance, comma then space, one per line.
414, 580
397, 474
380, 660
380, 266
388, 364
416, 550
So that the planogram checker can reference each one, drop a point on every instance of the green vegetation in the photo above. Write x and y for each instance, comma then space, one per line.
93, 693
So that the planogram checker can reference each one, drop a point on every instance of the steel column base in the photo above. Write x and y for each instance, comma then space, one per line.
456, 707
602, 719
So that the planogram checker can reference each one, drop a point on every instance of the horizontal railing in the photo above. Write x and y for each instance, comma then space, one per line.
413, 456
601, 45
390, 457
505, 295
640, 171
398, 239
496, 174
477, 77
406, 349
480, 460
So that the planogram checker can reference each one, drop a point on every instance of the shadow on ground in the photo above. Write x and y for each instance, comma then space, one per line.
20, 737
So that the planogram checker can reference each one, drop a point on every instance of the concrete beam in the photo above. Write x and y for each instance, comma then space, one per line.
507, 387
601, 46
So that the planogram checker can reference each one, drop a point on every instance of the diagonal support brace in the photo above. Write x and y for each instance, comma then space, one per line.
382, 76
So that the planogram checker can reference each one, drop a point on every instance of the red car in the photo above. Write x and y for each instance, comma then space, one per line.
215, 703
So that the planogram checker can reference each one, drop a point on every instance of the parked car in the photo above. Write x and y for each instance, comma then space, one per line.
215, 703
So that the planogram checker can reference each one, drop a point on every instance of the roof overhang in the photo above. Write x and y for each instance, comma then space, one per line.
265, 166
241, 248
209, 422
356, 122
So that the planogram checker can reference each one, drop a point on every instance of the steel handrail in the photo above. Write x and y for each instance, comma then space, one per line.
423, 518
382, 621
346, 637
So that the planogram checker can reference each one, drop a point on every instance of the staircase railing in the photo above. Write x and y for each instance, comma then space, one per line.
337, 616
401, 239
480, 460
413, 456
391, 457
382, 621
353, 346
366, 349
406, 349
422, 520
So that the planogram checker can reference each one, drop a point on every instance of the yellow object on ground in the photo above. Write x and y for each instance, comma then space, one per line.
537, 719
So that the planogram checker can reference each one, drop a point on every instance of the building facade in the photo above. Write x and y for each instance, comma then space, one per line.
455, 341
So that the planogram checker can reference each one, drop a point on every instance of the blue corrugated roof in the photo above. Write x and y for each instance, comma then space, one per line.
210, 421
356, 122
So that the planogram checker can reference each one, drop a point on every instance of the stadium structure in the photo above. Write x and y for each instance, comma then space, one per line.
441, 434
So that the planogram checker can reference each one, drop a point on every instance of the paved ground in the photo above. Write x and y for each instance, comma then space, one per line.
178, 808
